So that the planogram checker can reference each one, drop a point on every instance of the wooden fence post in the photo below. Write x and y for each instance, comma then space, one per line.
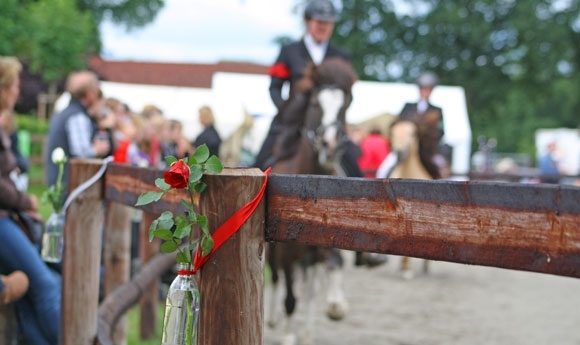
117, 257
8, 325
232, 280
82, 257
149, 301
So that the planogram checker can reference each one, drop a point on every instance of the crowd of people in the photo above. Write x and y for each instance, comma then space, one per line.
93, 125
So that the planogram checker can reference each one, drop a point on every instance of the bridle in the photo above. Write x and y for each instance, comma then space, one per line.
328, 157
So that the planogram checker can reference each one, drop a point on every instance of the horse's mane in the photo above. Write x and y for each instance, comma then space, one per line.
428, 136
331, 71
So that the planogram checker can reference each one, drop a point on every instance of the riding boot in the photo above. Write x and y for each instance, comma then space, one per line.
15, 286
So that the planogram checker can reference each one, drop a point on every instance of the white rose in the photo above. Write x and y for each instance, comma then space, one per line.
58, 156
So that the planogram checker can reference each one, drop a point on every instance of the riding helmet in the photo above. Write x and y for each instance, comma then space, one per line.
427, 79
322, 10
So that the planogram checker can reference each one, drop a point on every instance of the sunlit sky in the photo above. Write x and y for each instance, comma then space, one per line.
207, 31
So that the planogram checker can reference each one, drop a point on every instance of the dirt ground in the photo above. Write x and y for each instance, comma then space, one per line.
455, 304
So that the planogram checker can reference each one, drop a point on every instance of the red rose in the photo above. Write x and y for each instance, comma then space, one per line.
178, 175
279, 70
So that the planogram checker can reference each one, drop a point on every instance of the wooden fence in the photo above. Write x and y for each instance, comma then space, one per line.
523, 227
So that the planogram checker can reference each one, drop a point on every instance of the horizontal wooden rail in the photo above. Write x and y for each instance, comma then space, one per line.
523, 227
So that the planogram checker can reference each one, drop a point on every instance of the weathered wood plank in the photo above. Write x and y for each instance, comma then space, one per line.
149, 301
82, 257
231, 283
125, 183
117, 257
523, 227
8, 325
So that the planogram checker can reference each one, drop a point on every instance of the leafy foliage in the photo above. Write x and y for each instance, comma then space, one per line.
171, 228
518, 61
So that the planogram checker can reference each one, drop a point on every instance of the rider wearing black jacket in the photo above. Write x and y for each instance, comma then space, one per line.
293, 59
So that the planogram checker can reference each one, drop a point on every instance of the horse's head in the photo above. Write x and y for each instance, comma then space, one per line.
404, 139
330, 96
416, 138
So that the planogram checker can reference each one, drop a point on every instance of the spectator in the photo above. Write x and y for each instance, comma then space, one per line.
72, 128
12, 287
375, 148
38, 312
548, 164
21, 175
209, 135
153, 126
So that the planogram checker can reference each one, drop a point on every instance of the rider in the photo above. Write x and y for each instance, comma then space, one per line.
314, 47
422, 108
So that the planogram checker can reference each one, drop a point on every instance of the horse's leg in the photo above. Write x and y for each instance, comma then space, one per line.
289, 304
336, 303
272, 290
406, 271
313, 271
425, 266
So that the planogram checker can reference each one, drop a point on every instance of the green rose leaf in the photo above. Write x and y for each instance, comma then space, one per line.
165, 220
195, 173
188, 206
163, 234
168, 247
170, 160
183, 257
206, 245
214, 165
161, 184
201, 153
201, 220
148, 197
182, 230
199, 187
152, 229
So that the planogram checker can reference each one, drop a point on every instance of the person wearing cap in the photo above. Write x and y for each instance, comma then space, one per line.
426, 83
430, 115
313, 47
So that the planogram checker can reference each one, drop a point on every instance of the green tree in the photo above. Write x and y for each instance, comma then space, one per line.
518, 61
57, 46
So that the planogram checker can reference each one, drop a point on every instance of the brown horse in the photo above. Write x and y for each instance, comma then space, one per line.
413, 147
312, 143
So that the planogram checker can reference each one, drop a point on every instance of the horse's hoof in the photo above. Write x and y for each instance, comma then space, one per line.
289, 339
336, 311
374, 260
370, 259
407, 274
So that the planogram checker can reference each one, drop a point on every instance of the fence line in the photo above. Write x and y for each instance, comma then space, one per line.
523, 227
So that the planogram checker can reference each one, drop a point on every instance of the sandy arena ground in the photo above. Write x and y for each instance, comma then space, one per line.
453, 305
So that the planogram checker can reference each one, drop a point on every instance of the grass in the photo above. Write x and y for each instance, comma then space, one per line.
133, 336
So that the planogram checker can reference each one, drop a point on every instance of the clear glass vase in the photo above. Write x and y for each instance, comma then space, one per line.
181, 309
53, 238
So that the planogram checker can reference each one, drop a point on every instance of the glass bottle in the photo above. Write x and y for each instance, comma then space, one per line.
181, 309
53, 238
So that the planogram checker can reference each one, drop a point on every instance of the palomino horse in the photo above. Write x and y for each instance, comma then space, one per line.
311, 144
413, 147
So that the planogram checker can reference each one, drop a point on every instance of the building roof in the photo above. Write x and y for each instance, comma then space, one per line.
172, 74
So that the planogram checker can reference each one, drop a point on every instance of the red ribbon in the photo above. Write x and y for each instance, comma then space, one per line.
230, 226
185, 272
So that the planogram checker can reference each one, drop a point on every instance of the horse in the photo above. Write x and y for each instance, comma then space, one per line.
313, 143
413, 148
